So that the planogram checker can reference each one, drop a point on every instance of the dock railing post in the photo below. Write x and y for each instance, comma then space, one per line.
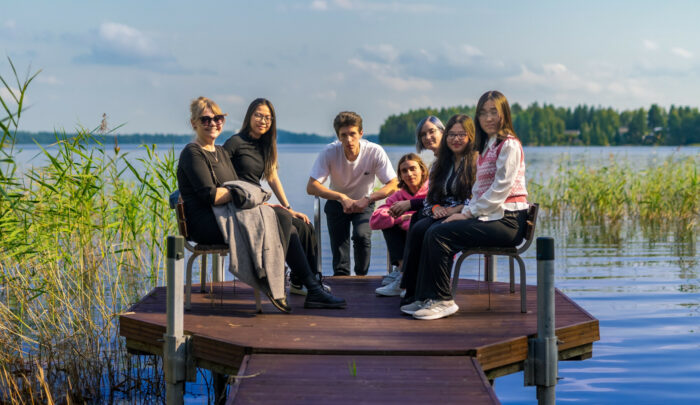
541, 367
174, 343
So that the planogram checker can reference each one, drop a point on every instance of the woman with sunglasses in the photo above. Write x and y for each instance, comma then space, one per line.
253, 153
202, 169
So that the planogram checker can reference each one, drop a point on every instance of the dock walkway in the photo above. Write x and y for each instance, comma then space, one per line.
484, 340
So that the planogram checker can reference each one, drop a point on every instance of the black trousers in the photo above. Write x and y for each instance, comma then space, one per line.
395, 238
339, 233
443, 240
412, 252
306, 234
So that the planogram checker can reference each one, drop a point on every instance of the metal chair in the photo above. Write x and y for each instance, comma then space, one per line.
196, 250
513, 253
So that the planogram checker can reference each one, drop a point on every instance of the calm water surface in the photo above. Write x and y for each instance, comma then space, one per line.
645, 292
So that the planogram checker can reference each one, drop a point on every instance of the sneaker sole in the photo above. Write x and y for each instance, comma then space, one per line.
297, 291
393, 293
321, 305
440, 315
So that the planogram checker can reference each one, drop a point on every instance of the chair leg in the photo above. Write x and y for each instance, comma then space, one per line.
455, 275
203, 274
512, 274
523, 286
188, 280
258, 304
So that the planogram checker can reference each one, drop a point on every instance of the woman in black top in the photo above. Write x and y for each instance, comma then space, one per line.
254, 157
202, 169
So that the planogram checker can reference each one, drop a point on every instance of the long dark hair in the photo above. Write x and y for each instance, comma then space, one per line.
445, 159
503, 111
269, 138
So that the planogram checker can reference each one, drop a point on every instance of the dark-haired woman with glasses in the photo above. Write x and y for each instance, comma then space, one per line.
202, 170
253, 153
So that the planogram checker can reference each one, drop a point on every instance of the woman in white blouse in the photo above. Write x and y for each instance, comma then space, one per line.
495, 215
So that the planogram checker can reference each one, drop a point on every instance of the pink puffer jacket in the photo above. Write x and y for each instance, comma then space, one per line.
381, 217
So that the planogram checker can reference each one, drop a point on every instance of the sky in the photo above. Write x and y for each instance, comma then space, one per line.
142, 62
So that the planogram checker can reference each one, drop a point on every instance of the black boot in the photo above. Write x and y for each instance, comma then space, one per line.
319, 298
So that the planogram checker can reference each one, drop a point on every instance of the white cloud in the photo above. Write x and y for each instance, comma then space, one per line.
469, 50
650, 45
122, 45
556, 77
230, 98
320, 5
683, 53
329, 95
6, 96
374, 6
380, 53
52, 80
388, 76
10, 24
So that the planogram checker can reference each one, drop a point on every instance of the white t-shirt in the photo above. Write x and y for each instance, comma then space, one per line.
354, 179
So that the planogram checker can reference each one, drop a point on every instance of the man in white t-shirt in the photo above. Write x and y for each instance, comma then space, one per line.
352, 164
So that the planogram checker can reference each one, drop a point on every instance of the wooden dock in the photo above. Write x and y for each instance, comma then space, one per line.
486, 339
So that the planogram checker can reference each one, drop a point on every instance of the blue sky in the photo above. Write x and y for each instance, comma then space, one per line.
141, 62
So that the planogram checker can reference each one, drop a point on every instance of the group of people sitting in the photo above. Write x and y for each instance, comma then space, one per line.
473, 194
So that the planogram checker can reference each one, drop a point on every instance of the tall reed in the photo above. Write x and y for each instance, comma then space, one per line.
80, 243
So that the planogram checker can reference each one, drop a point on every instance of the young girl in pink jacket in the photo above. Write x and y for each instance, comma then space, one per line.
413, 174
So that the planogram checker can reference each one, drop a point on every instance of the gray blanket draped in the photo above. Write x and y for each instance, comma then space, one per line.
256, 250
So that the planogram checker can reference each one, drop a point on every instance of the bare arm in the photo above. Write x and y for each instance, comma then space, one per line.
313, 187
387, 190
222, 196
276, 186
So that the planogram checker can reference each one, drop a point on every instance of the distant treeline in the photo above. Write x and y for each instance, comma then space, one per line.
582, 125
47, 138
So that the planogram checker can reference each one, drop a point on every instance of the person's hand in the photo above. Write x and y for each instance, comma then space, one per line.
453, 210
406, 217
348, 205
299, 215
399, 208
439, 212
455, 217
360, 205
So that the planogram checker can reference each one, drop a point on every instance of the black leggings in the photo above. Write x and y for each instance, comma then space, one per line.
395, 238
412, 252
443, 240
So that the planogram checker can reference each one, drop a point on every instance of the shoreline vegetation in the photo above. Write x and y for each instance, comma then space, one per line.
80, 244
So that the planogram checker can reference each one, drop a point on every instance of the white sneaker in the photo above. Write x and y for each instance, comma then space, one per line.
411, 308
434, 309
390, 290
389, 278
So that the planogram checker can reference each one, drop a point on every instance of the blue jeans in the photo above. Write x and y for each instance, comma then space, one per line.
339, 233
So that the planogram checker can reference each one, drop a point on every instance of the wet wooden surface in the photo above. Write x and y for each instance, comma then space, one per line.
349, 379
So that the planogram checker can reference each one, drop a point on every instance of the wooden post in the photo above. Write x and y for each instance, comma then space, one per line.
174, 344
541, 366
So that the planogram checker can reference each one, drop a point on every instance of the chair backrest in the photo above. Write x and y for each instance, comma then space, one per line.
178, 205
530, 225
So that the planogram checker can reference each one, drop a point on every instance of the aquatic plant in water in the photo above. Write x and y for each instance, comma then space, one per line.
79, 245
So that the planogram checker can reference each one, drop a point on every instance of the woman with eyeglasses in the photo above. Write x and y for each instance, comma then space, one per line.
202, 170
253, 152
451, 180
495, 215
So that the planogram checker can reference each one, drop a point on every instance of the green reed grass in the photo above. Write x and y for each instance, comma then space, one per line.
663, 195
79, 245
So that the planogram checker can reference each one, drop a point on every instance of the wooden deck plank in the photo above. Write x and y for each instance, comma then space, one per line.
226, 326
327, 379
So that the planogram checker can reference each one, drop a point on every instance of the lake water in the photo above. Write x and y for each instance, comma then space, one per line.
645, 291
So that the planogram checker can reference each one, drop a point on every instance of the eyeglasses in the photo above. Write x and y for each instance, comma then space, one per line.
485, 114
460, 135
206, 120
262, 118
431, 131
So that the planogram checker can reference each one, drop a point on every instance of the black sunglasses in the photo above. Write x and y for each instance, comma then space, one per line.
206, 120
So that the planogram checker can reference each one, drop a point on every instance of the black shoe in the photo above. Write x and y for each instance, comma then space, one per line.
280, 304
319, 298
